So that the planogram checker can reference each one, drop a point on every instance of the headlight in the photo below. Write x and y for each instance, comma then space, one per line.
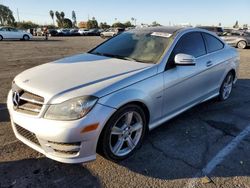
72, 109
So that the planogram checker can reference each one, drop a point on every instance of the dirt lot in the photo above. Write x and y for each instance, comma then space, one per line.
207, 146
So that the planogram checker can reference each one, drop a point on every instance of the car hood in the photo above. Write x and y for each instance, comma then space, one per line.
85, 73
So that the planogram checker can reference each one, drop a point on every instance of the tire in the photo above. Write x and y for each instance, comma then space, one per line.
1, 37
102, 36
123, 134
26, 37
226, 87
242, 44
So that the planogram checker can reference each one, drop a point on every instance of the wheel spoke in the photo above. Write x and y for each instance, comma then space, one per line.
129, 117
116, 131
228, 80
135, 127
118, 145
130, 142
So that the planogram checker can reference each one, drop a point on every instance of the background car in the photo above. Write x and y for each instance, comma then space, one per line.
74, 32
240, 40
83, 32
111, 32
53, 32
217, 30
13, 33
63, 32
93, 32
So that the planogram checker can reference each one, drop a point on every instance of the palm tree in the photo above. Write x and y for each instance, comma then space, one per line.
6, 16
58, 19
52, 16
62, 19
62, 15
74, 18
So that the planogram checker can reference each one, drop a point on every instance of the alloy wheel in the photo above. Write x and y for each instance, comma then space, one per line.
242, 44
227, 87
126, 133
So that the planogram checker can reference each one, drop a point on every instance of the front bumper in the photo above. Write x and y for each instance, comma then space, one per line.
62, 141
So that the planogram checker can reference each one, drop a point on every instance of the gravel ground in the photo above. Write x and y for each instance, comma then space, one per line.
172, 155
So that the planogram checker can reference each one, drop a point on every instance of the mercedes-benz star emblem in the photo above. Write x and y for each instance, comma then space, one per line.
16, 98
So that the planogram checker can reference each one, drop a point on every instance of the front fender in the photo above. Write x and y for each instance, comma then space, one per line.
149, 92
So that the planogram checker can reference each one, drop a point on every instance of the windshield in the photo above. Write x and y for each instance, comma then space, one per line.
146, 47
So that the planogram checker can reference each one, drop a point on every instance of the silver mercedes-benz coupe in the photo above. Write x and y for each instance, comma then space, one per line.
109, 97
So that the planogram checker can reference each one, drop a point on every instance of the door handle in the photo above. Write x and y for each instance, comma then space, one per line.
209, 63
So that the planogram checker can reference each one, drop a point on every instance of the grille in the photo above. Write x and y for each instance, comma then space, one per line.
29, 103
27, 134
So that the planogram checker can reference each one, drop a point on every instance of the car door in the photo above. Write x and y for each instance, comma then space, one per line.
15, 34
4, 32
7, 34
185, 86
247, 36
217, 57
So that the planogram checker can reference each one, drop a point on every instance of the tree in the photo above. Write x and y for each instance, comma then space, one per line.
104, 25
154, 23
236, 25
6, 16
60, 19
118, 24
74, 18
26, 25
67, 23
128, 24
92, 23
62, 15
133, 20
51, 13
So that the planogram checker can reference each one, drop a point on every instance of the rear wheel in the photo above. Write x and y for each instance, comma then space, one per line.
242, 44
226, 87
123, 134
26, 37
1, 37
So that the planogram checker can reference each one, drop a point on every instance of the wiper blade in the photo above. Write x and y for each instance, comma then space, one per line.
117, 56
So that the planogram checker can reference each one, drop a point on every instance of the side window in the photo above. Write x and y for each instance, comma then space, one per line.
213, 44
190, 43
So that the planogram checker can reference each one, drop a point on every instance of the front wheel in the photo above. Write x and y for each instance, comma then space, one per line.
123, 134
242, 44
26, 37
1, 37
226, 87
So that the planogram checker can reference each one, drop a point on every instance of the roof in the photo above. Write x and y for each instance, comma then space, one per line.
163, 29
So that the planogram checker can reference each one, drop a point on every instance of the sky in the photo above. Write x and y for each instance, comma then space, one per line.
165, 12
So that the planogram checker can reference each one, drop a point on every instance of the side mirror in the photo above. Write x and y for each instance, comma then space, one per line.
184, 60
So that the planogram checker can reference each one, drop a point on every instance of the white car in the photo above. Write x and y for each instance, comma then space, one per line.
12, 33
111, 96
83, 31
111, 32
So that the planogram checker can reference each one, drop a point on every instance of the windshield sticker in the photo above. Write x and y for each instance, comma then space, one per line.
161, 34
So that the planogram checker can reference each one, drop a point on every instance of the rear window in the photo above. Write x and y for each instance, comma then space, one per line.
213, 44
